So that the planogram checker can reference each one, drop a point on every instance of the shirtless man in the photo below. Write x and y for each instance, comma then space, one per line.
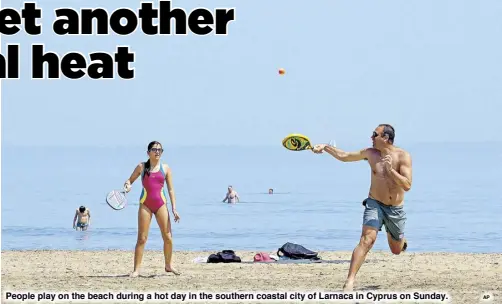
84, 218
390, 178
231, 196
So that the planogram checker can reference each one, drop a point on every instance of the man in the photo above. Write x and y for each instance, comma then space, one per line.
391, 177
84, 218
232, 196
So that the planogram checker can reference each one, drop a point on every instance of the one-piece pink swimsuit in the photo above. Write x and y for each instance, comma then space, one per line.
153, 194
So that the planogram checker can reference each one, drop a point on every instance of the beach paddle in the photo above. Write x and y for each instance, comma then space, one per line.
300, 142
116, 199
297, 142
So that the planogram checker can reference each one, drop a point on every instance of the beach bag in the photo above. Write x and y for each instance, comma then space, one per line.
225, 256
297, 252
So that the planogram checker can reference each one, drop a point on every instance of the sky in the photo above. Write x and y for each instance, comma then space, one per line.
429, 68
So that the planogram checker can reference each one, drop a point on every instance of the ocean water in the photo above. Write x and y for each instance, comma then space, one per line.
454, 205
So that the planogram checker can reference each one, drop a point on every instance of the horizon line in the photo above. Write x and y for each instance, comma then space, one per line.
228, 145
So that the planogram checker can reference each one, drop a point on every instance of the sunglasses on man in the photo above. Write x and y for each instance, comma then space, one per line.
375, 134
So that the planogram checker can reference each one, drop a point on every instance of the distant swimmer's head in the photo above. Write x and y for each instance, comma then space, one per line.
81, 209
270, 191
155, 150
383, 136
230, 188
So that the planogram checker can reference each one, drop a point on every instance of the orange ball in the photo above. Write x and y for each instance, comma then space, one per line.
282, 71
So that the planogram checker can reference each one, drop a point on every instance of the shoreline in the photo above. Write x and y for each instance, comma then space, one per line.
464, 276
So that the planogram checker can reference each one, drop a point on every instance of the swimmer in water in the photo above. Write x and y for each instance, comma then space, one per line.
232, 196
83, 219
270, 191
153, 200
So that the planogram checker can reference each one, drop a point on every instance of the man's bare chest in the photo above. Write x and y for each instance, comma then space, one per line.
378, 168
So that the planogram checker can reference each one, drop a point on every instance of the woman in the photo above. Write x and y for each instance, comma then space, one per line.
153, 201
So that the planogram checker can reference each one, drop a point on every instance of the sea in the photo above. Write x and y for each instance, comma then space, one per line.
455, 204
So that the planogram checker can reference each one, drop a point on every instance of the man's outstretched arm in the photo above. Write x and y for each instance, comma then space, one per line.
342, 155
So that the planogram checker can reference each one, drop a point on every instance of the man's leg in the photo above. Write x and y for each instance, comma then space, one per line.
368, 238
372, 223
395, 220
396, 247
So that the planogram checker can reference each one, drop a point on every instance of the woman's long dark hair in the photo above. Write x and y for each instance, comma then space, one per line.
147, 168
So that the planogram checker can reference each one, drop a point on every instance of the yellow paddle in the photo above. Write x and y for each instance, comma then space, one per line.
297, 142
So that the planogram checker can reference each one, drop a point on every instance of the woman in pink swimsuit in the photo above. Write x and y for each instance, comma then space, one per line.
153, 201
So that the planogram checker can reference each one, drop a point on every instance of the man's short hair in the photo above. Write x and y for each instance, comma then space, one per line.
389, 131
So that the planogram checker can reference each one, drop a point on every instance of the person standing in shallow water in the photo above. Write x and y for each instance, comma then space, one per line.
391, 177
82, 218
153, 201
232, 196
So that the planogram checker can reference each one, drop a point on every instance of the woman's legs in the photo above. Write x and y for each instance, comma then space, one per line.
162, 216
144, 220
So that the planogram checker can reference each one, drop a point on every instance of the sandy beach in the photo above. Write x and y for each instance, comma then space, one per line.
465, 277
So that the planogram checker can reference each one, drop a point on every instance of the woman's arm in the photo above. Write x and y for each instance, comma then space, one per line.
135, 174
170, 188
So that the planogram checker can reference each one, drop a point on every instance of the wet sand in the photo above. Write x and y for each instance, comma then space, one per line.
465, 277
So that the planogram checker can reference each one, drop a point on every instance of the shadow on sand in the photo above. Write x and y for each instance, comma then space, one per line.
246, 262
151, 276
369, 288
300, 262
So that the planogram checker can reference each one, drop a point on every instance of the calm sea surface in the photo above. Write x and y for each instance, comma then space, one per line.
455, 204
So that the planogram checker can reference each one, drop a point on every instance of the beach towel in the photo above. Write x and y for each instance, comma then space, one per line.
224, 256
200, 259
263, 257
297, 252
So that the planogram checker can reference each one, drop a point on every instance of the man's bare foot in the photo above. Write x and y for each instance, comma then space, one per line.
170, 269
134, 274
348, 286
405, 245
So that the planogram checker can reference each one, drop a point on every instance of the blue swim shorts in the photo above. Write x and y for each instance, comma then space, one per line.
376, 214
